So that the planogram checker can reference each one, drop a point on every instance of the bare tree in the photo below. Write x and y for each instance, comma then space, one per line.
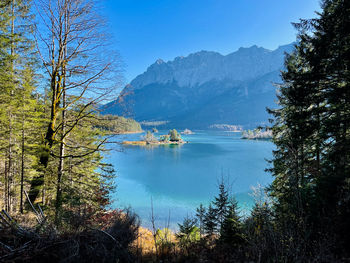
154, 229
82, 72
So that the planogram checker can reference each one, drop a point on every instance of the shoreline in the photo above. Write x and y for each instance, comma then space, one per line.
256, 139
144, 143
127, 132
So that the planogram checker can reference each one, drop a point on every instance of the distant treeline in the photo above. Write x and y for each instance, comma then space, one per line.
118, 124
154, 123
227, 127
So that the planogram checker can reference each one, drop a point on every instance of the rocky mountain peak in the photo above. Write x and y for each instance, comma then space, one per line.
203, 66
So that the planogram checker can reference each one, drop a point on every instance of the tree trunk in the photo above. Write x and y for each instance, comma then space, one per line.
58, 204
10, 175
56, 88
6, 187
22, 162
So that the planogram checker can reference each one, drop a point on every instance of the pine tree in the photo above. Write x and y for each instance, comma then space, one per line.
311, 131
188, 232
231, 231
200, 214
5, 85
15, 49
31, 118
331, 43
221, 203
210, 221
261, 231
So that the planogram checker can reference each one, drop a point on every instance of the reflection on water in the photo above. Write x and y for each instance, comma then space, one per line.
180, 177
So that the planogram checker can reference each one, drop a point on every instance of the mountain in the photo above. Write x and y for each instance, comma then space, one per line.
205, 88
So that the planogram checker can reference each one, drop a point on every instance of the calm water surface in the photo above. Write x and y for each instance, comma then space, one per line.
179, 178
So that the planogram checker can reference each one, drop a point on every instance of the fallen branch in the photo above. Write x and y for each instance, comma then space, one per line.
31, 204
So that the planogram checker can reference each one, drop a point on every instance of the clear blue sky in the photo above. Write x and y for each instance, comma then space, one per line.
145, 30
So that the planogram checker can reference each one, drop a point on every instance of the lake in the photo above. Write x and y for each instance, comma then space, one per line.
180, 177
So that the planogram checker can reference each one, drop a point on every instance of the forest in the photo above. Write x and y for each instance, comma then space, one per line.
57, 67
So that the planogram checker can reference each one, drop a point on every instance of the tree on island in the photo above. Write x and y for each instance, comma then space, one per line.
174, 136
164, 138
149, 137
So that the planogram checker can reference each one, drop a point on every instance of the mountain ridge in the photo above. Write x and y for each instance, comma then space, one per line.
217, 60
204, 88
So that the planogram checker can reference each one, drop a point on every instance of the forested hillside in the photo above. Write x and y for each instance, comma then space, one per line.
118, 125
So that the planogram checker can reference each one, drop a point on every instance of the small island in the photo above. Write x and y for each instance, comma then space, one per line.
257, 134
187, 132
173, 137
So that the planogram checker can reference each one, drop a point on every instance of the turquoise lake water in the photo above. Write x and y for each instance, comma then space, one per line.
180, 177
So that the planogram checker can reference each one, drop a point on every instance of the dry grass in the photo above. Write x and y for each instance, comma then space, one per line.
145, 241
145, 246
134, 143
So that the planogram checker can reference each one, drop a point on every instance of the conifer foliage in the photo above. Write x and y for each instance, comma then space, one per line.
222, 218
231, 232
311, 130
20, 114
